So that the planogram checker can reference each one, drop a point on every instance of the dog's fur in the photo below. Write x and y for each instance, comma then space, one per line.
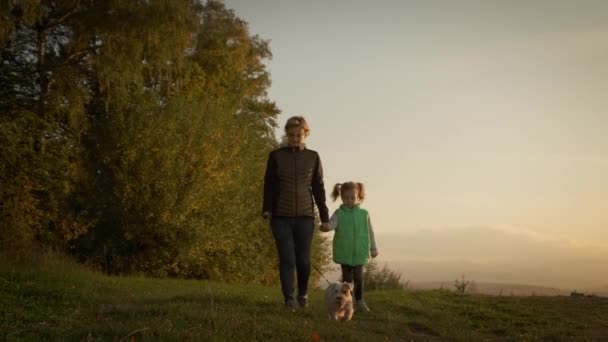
339, 301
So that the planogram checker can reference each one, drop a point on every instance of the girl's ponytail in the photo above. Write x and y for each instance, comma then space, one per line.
361, 189
336, 192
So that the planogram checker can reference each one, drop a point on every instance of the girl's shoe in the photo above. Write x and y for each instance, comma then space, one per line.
303, 301
361, 306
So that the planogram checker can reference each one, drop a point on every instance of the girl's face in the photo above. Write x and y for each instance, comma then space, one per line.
350, 198
295, 136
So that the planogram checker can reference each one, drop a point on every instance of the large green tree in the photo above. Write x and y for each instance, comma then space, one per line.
135, 135
43, 92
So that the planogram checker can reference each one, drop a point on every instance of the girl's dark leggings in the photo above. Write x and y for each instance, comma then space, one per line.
354, 273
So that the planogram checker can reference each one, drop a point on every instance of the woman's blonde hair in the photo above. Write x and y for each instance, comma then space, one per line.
341, 188
298, 121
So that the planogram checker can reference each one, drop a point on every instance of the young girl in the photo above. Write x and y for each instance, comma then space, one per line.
354, 238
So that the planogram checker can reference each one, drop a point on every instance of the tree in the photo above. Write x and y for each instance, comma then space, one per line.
137, 140
185, 155
43, 94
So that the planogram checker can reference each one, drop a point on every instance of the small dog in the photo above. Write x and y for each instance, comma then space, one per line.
339, 301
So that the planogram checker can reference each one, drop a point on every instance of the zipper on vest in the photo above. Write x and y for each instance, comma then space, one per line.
295, 182
352, 257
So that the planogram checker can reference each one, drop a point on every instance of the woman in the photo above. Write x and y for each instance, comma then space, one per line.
294, 176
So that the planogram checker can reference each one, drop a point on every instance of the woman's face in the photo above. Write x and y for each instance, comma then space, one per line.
295, 136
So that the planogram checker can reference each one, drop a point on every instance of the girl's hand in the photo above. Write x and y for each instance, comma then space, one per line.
324, 227
374, 254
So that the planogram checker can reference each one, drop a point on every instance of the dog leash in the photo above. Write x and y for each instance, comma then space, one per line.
321, 273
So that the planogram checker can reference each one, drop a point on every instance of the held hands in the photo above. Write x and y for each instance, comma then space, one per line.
324, 227
267, 215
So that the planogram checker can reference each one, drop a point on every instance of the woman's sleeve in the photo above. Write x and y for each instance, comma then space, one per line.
318, 191
269, 183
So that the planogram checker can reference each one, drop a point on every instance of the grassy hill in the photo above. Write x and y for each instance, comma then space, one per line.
58, 300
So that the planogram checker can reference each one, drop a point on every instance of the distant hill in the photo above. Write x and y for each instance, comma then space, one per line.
600, 291
496, 289
488, 255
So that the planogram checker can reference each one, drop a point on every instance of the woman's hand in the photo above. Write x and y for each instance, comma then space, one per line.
267, 215
324, 227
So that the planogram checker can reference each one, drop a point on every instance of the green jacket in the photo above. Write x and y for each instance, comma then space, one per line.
351, 244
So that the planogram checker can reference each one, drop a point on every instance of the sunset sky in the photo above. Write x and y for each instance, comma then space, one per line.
458, 116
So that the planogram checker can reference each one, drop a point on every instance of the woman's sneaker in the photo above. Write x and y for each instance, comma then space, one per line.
361, 306
291, 305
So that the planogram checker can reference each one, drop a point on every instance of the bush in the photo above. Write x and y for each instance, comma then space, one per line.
461, 285
375, 278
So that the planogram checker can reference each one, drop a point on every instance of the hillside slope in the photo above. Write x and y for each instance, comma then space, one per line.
60, 300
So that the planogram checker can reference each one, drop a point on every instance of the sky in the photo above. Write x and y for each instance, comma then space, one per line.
458, 116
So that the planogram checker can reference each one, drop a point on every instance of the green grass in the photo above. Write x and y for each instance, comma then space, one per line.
58, 300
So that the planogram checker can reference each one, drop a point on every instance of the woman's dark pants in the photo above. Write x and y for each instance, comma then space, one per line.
293, 236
